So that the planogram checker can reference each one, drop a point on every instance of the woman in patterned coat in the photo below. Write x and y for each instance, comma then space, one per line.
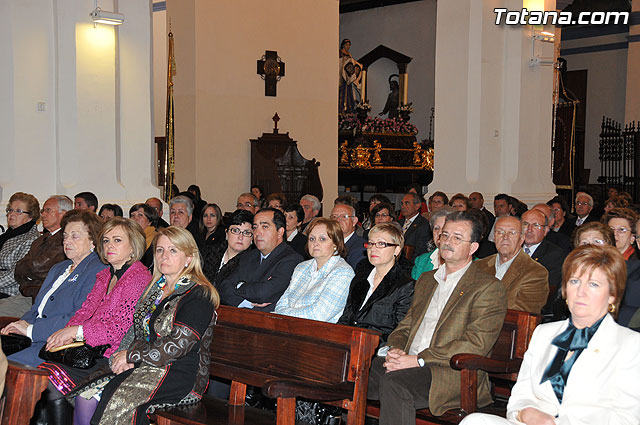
23, 212
163, 360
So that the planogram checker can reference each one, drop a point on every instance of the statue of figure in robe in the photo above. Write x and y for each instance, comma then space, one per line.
393, 100
350, 76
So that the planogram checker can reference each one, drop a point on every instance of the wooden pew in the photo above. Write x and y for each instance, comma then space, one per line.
502, 365
287, 357
23, 387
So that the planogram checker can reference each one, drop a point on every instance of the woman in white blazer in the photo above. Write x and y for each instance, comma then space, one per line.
584, 370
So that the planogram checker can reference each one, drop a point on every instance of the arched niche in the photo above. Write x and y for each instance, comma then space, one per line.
380, 52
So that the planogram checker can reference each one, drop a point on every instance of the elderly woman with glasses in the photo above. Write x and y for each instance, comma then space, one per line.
622, 222
584, 370
431, 260
319, 286
23, 212
380, 294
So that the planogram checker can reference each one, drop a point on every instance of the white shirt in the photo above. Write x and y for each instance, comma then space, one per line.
408, 222
292, 235
532, 249
446, 285
581, 220
370, 280
53, 289
501, 268
346, 238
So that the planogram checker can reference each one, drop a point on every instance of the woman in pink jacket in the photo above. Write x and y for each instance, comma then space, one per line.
106, 314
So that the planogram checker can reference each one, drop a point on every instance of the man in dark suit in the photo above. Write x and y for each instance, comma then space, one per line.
416, 229
477, 201
455, 309
263, 274
584, 209
44, 253
156, 204
345, 215
181, 215
560, 240
534, 224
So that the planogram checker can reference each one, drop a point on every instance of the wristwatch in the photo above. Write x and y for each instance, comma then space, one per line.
420, 362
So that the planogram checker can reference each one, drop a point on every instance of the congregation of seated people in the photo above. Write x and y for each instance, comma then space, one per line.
434, 277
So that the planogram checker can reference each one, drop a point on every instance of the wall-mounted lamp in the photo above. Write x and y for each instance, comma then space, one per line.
543, 37
100, 16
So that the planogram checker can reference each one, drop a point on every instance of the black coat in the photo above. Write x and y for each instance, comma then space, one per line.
211, 258
631, 298
551, 257
417, 235
388, 304
299, 245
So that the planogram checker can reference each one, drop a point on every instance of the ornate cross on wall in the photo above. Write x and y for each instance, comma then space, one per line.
271, 69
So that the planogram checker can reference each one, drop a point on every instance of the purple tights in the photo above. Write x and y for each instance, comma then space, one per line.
84, 410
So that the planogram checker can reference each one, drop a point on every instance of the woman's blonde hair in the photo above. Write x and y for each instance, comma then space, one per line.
392, 229
183, 240
133, 231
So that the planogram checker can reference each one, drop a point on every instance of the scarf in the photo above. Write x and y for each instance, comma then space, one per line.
572, 339
12, 233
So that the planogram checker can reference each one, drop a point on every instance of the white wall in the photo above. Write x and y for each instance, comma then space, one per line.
409, 28
95, 133
160, 46
606, 90
220, 101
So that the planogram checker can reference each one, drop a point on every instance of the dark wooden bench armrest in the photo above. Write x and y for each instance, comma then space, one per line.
288, 388
24, 386
476, 362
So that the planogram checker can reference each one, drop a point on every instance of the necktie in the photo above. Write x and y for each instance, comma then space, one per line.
406, 225
527, 251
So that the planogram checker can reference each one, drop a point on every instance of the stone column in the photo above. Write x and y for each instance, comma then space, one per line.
493, 110
632, 103
76, 109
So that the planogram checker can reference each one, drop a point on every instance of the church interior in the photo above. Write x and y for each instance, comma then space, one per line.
358, 101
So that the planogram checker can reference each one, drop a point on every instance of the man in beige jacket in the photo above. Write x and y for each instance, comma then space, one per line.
526, 281
456, 309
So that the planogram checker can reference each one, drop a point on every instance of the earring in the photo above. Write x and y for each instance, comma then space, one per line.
92, 249
612, 308
186, 265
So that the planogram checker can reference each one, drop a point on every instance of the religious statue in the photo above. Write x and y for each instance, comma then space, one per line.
350, 76
393, 100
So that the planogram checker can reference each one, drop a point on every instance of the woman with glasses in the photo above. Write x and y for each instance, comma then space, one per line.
382, 289
319, 286
431, 260
221, 259
594, 233
23, 212
622, 221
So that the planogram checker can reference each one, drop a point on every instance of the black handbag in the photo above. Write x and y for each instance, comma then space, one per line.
76, 354
13, 343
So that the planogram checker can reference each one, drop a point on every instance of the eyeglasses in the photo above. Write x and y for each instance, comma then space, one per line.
47, 210
455, 239
246, 204
382, 215
581, 204
380, 244
499, 233
536, 226
619, 230
245, 233
592, 242
340, 216
17, 211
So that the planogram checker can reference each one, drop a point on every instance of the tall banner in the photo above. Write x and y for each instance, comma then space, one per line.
168, 160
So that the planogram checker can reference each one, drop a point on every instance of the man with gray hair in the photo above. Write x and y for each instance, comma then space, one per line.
181, 215
584, 208
311, 206
248, 202
416, 229
45, 252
